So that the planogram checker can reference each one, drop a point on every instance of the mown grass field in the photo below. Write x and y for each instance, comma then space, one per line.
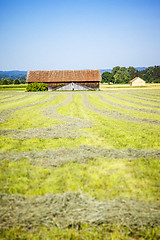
80, 165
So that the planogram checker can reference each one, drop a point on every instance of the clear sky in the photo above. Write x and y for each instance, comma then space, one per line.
78, 34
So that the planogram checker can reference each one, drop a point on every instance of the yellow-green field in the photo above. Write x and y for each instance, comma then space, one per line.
80, 165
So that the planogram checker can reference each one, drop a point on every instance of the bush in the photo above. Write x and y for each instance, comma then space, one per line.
36, 87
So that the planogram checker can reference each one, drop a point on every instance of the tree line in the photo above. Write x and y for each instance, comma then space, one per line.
8, 81
125, 75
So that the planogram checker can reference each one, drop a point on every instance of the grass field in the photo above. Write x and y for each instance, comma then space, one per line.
80, 165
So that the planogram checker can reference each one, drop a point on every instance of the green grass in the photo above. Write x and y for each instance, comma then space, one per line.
101, 232
130, 97
32, 117
11, 98
19, 87
97, 102
36, 144
23, 102
114, 133
125, 103
101, 178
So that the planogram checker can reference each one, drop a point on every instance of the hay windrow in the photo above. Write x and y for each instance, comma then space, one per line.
14, 99
59, 131
116, 114
72, 209
144, 98
65, 210
128, 107
131, 101
5, 114
81, 154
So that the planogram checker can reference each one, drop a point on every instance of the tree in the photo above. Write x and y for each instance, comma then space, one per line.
147, 74
115, 70
156, 74
23, 79
16, 81
107, 77
121, 76
132, 72
5, 81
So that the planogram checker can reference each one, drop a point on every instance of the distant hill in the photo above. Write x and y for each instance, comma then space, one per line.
13, 74
18, 74
140, 68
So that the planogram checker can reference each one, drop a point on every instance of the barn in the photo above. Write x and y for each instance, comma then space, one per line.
66, 79
137, 81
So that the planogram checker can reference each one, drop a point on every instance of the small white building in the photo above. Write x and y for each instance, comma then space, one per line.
137, 81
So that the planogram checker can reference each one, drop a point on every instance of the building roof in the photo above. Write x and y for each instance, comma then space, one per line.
134, 79
64, 76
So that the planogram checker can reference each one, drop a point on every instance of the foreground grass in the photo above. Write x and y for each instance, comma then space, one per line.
101, 178
37, 144
102, 232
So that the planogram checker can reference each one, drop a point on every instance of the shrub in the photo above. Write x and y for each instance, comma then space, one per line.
36, 87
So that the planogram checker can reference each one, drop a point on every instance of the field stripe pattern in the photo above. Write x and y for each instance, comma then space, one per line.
80, 157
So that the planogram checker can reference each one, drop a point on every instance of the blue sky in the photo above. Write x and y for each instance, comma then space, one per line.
67, 34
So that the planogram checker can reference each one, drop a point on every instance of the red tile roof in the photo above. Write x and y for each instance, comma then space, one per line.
64, 76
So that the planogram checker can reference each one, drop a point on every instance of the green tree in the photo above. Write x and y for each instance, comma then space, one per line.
115, 70
156, 74
147, 74
5, 81
23, 79
132, 72
16, 81
107, 77
121, 76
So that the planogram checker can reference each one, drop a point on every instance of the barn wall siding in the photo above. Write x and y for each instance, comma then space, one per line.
137, 82
77, 86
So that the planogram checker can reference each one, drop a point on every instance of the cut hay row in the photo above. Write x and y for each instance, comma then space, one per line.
76, 159
149, 96
100, 107
5, 114
145, 98
73, 209
54, 158
132, 112
11, 99
137, 98
129, 99
112, 100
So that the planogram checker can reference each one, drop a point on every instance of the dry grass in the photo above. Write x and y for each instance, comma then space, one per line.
58, 150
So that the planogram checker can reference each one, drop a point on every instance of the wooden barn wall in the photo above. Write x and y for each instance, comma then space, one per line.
87, 84
94, 85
